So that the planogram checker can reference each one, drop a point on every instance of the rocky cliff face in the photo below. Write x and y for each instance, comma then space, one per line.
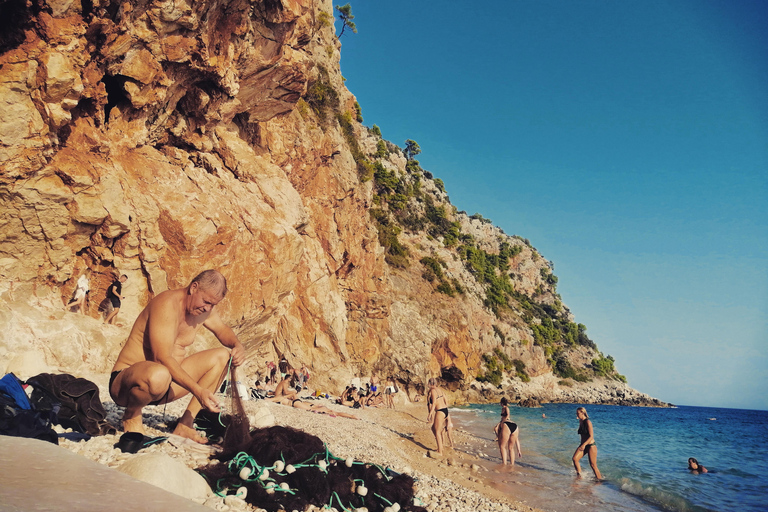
157, 139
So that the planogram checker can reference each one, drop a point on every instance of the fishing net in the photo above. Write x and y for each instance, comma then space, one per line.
238, 427
282, 468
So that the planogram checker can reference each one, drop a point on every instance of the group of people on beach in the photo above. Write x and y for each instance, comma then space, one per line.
369, 394
507, 432
80, 297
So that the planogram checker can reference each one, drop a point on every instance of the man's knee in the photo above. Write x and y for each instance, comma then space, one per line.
159, 380
220, 357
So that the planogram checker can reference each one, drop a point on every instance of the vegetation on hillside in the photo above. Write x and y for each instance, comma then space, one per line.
497, 364
412, 200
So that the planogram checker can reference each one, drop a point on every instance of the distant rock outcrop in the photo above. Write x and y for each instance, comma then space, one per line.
158, 139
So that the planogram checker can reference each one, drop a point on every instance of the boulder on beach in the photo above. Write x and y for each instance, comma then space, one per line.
162, 471
529, 402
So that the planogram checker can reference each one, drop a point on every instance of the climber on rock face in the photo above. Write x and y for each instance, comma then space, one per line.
153, 367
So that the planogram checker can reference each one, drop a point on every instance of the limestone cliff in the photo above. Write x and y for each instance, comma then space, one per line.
159, 138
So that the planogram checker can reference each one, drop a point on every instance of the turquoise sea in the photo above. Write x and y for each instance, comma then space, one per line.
642, 454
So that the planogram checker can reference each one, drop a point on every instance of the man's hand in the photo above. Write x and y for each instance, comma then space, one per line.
208, 400
238, 354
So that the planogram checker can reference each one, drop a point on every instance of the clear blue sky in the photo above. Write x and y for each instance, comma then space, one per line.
627, 140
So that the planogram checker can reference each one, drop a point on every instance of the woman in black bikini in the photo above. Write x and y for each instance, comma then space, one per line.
508, 435
438, 412
588, 446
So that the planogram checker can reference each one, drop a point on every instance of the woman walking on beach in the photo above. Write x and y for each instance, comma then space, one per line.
588, 446
438, 412
508, 435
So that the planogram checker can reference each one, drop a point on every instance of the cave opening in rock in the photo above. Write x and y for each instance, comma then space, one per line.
115, 94
14, 18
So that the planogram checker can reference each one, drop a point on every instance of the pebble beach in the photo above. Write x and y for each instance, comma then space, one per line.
398, 438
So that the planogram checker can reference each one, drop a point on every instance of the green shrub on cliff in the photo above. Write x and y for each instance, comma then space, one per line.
322, 97
395, 253
604, 367
433, 271
381, 149
493, 373
497, 364
563, 368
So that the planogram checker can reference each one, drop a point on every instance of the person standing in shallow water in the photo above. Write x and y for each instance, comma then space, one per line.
508, 435
588, 446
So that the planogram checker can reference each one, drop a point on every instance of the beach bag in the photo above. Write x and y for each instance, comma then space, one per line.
13, 392
17, 416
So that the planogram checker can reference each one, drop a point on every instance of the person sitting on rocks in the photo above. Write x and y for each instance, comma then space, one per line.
153, 368
285, 388
349, 397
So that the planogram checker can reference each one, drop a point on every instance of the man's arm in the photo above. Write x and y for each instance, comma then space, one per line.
163, 324
226, 337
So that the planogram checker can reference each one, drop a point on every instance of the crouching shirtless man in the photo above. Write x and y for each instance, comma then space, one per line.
153, 367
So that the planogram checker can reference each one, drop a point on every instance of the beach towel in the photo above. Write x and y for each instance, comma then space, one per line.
81, 407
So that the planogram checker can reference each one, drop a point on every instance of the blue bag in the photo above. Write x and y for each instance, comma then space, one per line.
11, 387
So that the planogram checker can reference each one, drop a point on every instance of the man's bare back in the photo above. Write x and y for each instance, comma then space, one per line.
153, 367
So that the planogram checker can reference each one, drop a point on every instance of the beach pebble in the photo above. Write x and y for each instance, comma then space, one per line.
235, 502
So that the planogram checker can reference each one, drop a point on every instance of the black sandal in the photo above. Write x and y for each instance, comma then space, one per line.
132, 442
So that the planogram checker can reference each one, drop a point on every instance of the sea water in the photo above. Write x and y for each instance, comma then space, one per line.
642, 455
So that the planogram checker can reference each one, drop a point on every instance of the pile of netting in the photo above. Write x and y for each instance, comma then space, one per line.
281, 468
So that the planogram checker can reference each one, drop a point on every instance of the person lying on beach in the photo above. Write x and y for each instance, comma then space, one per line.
153, 368
320, 409
507, 435
438, 412
695, 467
588, 446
